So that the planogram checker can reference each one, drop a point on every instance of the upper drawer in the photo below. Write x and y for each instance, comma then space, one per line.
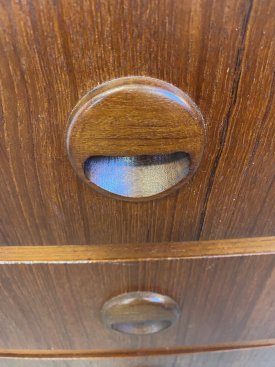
221, 53
51, 297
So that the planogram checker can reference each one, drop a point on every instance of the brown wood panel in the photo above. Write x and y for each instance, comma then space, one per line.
241, 190
256, 357
52, 304
52, 53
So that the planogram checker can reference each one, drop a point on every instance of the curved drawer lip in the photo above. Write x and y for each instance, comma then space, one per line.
253, 357
132, 252
101, 354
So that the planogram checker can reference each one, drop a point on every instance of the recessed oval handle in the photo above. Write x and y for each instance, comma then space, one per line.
135, 138
140, 313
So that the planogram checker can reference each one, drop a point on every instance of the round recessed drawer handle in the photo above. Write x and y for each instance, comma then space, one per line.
140, 313
135, 138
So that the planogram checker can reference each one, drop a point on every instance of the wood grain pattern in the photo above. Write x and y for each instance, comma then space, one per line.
256, 357
135, 116
223, 300
241, 189
220, 52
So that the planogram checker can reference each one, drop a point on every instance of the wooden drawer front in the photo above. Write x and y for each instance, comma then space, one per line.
253, 357
52, 297
221, 53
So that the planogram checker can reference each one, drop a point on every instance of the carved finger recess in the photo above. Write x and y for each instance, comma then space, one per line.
135, 138
140, 313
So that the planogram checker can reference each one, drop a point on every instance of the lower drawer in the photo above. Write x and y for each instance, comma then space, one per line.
255, 357
51, 297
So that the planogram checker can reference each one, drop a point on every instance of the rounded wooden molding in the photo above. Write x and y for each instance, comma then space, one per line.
147, 131
140, 313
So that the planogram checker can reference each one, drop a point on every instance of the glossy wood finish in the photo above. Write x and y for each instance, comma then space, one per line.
221, 53
256, 357
241, 189
223, 299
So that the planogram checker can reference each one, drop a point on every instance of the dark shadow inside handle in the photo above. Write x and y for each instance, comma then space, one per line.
137, 176
142, 327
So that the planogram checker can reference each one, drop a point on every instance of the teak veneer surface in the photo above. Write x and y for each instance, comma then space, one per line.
51, 300
53, 52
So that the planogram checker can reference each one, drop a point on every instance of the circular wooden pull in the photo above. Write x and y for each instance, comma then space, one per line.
140, 313
135, 137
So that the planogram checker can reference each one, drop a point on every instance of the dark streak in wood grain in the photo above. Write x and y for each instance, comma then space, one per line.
243, 182
225, 124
